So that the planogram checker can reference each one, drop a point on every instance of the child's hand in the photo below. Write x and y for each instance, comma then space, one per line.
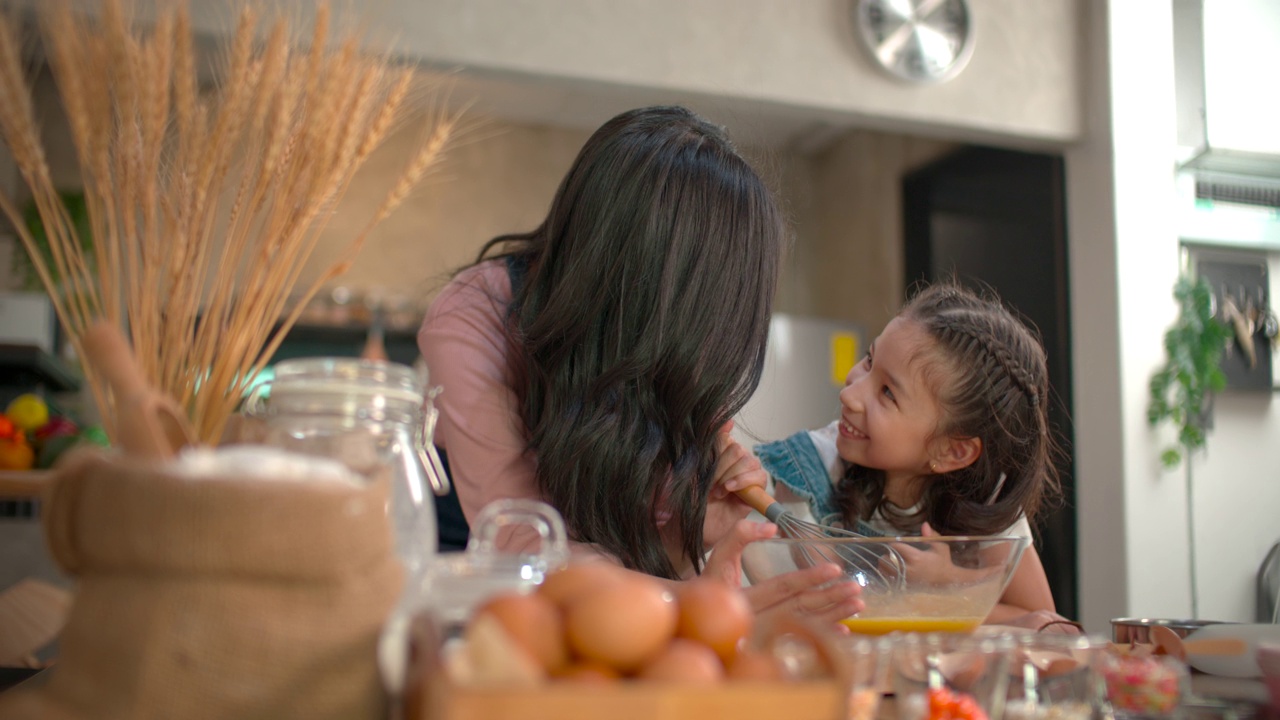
810, 592
927, 562
736, 468
932, 564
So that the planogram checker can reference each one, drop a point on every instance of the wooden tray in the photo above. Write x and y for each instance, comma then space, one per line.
630, 700
428, 695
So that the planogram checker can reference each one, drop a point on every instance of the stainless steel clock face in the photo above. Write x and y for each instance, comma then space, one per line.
917, 40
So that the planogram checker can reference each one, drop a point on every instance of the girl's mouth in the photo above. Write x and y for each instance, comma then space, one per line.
849, 430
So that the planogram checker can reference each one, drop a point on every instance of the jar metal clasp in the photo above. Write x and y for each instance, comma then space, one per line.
431, 463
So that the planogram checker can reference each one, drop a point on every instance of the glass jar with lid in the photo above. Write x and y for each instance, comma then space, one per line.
374, 416
444, 597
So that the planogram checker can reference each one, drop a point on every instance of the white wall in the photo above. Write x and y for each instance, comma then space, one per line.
1124, 260
1124, 255
1236, 484
1095, 286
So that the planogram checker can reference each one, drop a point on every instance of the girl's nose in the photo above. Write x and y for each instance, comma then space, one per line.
850, 397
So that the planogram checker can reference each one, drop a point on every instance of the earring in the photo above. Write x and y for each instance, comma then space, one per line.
933, 466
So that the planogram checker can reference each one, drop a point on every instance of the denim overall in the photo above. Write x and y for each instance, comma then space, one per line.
796, 463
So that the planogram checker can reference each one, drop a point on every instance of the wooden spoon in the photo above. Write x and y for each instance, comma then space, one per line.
148, 423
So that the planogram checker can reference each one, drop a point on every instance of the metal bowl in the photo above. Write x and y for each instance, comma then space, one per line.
1124, 630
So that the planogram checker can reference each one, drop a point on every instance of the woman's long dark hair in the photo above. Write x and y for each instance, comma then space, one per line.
991, 376
641, 327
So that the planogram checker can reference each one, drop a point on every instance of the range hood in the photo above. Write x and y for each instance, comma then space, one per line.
1227, 53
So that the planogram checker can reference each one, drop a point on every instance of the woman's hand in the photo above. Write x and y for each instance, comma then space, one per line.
736, 468
810, 592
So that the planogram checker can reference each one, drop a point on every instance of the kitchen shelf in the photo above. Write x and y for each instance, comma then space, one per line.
344, 341
22, 484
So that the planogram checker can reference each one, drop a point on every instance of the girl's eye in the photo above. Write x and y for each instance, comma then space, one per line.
888, 393
866, 359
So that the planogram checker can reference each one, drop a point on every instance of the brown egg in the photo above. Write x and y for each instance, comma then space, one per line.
588, 672
714, 614
622, 623
577, 579
684, 661
534, 623
754, 665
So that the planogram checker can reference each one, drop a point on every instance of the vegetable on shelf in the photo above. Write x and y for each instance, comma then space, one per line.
16, 453
34, 434
28, 411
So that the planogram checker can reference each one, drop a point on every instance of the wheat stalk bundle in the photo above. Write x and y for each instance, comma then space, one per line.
204, 207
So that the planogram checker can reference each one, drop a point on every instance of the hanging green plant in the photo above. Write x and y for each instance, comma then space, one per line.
1182, 388
78, 212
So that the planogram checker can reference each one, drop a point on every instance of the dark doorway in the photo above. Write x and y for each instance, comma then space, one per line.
997, 218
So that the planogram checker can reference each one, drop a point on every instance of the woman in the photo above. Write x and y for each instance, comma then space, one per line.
595, 362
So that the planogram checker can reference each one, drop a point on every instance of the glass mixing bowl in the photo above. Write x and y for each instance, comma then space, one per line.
909, 584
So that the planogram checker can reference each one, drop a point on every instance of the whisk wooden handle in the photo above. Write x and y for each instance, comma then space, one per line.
757, 498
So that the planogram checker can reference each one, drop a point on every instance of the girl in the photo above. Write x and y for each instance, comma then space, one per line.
594, 362
943, 430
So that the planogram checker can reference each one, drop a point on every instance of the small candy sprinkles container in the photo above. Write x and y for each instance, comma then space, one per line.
1145, 686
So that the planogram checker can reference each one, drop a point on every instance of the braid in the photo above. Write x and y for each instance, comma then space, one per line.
980, 339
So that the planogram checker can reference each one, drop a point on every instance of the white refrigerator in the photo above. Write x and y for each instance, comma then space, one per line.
805, 367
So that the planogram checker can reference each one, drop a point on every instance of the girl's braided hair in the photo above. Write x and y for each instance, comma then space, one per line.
989, 371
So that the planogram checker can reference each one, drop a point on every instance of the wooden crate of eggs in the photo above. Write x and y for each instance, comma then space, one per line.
596, 642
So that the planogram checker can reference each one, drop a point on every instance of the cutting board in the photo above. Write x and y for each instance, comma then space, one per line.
31, 615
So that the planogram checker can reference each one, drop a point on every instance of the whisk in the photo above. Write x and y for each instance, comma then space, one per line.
869, 563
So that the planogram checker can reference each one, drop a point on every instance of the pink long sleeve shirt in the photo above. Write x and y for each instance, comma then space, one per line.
465, 347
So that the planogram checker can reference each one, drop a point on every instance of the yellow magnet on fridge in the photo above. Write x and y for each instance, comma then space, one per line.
844, 355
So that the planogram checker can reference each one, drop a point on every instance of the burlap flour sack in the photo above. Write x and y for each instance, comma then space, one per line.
221, 598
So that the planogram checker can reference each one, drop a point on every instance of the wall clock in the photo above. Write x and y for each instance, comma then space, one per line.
919, 41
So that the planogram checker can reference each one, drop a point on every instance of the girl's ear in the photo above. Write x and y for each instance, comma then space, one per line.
956, 453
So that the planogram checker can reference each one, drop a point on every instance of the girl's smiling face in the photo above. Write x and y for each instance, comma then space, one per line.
889, 411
